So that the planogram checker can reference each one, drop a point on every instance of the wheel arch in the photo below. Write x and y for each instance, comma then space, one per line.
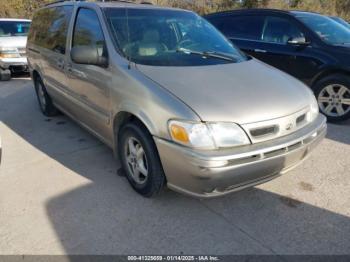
36, 74
328, 72
126, 116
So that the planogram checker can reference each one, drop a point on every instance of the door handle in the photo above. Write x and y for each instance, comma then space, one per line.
74, 72
60, 64
69, 68
260, 51
34, 50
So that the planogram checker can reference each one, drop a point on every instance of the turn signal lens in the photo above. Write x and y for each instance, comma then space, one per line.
9, 52
209, 136
191, 134
179, 133
314, 111
2, 55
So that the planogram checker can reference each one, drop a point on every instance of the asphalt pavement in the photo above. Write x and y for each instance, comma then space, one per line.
60, 193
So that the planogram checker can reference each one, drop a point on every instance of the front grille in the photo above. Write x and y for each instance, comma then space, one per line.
18, 69
279, 151
278, 127
264, 131
301, 119
276, 152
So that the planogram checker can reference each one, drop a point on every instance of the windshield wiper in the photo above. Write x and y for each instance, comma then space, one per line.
206, 54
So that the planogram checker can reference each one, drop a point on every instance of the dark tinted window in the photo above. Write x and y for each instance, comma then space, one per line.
14, 28
50, 27
280, 30
245, 27
88, 31
326, 28
341, 21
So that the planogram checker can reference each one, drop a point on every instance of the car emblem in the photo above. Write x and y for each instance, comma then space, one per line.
289, 126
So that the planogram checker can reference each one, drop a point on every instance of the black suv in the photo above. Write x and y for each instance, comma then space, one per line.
312, 47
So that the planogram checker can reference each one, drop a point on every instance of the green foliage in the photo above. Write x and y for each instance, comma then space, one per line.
20, 8
25, 8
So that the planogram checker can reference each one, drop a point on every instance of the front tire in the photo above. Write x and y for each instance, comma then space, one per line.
44, 99
333, 97
5, 75
140, 159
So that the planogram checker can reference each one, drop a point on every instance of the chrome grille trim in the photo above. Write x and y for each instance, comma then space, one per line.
301, 119
264, 131
272, 129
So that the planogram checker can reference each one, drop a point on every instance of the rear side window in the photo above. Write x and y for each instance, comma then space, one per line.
242, 27
50, 28
88, 31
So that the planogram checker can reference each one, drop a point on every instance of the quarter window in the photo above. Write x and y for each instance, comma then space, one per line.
50, 27
279, 30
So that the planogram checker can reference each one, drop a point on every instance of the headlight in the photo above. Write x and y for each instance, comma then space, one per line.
314, 110
209, 135
9, 52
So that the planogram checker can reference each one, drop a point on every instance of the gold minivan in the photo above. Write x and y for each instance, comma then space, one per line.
178, 103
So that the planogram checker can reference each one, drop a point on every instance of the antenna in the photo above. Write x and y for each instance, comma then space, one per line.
128, 32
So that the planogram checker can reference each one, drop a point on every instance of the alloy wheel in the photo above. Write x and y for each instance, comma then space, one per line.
136, 160
334, 100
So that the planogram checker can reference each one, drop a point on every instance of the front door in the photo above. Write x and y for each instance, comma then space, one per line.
89, 84
265, 37
274, 49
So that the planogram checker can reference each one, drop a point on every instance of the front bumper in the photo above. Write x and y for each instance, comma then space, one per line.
208, 174
14, 64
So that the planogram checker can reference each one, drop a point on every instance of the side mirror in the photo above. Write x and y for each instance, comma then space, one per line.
88, 55
298, 41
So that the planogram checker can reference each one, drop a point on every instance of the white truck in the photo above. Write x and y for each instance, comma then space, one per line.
13, 41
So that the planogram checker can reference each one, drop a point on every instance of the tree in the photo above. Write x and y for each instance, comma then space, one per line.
26, 8
254, 3
20, 8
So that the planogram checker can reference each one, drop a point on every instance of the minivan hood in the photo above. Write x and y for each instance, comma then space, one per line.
245, 92
13, 41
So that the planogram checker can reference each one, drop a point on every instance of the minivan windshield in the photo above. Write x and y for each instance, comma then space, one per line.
327, 29
169, 38
14, 28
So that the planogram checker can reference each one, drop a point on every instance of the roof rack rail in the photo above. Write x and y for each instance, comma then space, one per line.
61, 1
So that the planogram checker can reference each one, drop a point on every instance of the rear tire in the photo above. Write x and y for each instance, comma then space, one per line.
5, 75
44, 99
140, 159
333, 97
